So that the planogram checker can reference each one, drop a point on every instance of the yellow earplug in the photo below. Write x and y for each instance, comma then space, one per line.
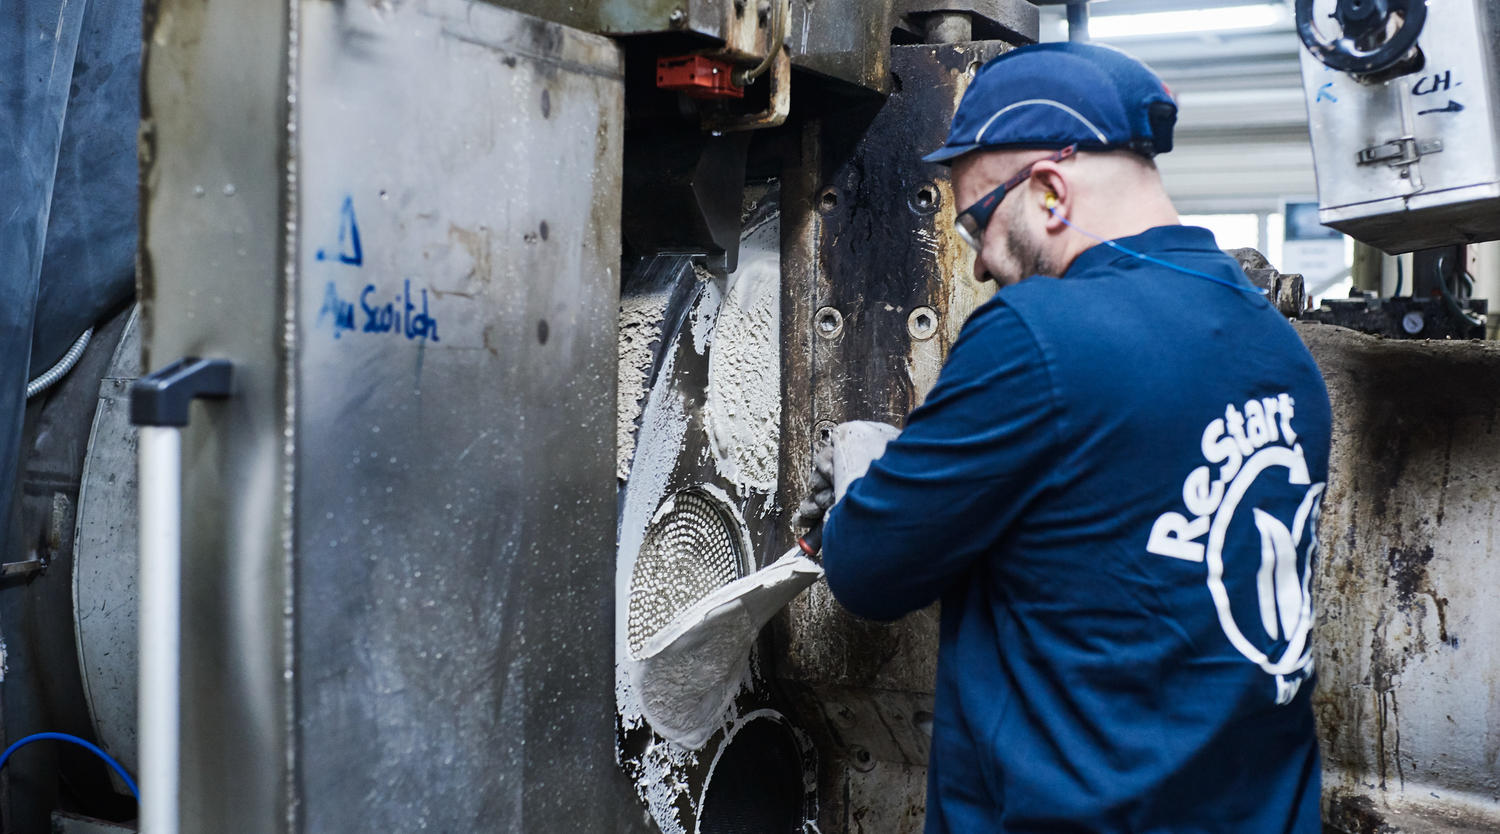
1051, 201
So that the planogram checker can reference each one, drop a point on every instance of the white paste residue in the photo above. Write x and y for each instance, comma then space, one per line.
658, 781
663, 427
641, 317
689, 672
706, 313
744, 377
657, 773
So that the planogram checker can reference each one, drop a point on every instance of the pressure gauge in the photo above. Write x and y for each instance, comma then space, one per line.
1413, 322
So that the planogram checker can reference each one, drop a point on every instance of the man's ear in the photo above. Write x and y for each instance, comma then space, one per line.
1050, 190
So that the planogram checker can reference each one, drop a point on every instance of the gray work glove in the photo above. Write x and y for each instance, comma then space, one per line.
844, 459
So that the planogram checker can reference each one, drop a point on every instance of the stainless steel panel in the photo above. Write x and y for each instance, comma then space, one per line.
400, 221
458, 193
213, 277
1454, 100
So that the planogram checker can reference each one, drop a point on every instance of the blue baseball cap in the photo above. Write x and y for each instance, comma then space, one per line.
1052, 95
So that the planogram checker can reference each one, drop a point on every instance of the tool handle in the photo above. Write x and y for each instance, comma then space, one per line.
812, 542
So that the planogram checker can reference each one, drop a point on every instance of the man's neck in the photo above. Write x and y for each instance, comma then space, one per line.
1117, 221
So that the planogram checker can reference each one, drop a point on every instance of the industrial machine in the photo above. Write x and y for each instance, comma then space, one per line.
528, 315
522, 312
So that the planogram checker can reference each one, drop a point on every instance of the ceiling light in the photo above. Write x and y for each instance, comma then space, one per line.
1192, 21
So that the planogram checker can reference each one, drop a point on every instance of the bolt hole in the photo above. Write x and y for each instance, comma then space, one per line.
829, 323
922, 323
829, 199
925, 199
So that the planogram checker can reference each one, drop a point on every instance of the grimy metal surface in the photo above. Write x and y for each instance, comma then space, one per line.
1408, 694
105, 556
876, 288
400, 221
840, 39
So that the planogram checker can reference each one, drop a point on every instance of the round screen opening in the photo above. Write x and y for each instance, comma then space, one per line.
693, 548
756, 785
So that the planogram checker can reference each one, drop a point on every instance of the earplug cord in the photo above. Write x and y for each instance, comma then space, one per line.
1051, 207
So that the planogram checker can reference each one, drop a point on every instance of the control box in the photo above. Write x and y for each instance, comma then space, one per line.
1402, 106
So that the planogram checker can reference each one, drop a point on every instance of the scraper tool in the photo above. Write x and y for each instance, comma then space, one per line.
688, 672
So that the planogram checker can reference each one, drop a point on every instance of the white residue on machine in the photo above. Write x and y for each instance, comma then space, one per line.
743, 411
641, 316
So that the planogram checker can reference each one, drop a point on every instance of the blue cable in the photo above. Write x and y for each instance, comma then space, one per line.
1159, 262
129, 783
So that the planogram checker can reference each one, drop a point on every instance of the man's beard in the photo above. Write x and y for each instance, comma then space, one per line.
1025, 256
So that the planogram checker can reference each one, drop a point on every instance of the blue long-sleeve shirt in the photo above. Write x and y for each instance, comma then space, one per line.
1113, 488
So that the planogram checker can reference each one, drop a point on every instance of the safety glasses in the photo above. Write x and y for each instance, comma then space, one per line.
972, 221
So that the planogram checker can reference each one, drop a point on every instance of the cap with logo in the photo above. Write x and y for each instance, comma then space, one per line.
1052, 95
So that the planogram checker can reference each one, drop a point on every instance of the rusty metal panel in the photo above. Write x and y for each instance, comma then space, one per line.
844, 39
876, 289
1408, 697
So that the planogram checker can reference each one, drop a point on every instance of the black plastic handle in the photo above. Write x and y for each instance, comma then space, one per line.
162, 398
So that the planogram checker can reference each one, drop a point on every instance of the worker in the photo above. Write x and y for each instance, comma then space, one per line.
1113, 488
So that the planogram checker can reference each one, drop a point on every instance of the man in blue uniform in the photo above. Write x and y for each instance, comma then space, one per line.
1113, 489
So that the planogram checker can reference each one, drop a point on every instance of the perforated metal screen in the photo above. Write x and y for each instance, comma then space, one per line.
692, 549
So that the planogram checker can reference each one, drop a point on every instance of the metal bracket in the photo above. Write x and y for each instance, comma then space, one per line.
780, 106
162, 398
1398, 152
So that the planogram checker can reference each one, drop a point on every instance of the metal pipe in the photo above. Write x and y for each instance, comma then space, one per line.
1078, 21
780, 13
948, 27
160, 625
50, 376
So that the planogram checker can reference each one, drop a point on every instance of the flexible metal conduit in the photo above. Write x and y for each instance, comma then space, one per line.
60, 370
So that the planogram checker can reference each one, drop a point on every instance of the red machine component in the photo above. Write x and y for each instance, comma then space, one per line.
698, 76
